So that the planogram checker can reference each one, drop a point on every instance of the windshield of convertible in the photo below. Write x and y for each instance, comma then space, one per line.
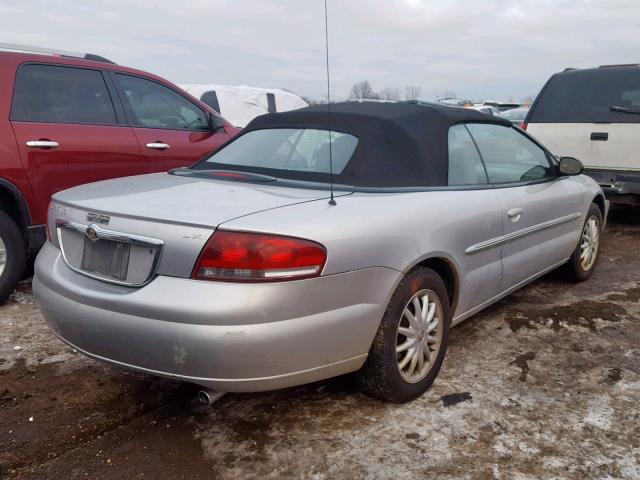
284, 150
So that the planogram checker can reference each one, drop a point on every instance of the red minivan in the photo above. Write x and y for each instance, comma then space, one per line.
68, 119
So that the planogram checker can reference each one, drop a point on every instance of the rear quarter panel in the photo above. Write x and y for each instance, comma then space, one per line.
397, 231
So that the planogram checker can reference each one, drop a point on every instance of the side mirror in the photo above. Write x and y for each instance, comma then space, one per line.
570, 166
215, 123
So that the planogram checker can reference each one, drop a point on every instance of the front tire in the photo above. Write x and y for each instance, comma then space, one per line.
584, 258
12, 255
411, 342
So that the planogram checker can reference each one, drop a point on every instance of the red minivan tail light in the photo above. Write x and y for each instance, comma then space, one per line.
257, 257
523, 125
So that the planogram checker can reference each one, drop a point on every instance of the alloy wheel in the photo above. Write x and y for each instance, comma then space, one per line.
3, 256
590, 243
419, 336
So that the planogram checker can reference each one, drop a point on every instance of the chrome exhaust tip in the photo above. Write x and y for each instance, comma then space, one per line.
208, 397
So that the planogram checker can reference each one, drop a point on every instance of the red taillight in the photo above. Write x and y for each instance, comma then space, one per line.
523, 125
257, 257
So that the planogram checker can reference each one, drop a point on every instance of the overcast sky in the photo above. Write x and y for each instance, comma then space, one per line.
478, 49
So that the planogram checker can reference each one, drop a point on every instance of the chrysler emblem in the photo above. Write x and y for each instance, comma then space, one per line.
92, 234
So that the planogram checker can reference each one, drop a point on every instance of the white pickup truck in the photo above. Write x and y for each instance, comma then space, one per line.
594, 116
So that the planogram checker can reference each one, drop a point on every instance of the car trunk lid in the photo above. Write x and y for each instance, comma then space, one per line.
125, 231
182, 200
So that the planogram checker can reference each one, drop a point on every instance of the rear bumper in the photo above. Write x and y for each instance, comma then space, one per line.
225, 336
617, 185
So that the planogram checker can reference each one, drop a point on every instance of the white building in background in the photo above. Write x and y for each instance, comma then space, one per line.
240, 104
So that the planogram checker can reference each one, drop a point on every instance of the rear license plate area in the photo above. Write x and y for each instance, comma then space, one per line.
106, 258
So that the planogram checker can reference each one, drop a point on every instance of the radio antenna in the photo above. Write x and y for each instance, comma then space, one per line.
332, 201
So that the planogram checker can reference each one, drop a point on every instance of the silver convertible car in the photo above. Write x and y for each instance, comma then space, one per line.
244, 272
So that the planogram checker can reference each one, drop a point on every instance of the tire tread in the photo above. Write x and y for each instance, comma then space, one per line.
572, 270
16, 255
375, 375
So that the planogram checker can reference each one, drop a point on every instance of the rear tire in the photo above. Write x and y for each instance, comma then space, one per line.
387, 374
12, 255
585, 257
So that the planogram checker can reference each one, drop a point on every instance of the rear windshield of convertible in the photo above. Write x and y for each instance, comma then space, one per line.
608, 94
373, 145
286, 149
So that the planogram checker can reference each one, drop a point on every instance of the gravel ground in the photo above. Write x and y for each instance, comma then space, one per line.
545, 384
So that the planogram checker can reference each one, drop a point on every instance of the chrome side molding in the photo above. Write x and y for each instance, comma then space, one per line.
493, 242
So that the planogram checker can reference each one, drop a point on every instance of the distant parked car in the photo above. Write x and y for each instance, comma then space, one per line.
68, 119
455, 102
594, 115
240, 274
502, 106
487, 109
241, 104
516, 116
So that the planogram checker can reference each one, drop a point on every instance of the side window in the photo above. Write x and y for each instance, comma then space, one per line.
54, 94
609, 95
156, 106
465, 164
211, 99
510, 156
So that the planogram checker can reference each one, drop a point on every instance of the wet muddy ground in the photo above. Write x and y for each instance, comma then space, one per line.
545, 384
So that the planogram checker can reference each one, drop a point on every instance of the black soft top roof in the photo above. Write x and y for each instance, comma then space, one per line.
399, 144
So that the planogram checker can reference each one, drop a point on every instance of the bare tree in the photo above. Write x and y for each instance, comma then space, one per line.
450, 94
412, 92
363, 90
390, 93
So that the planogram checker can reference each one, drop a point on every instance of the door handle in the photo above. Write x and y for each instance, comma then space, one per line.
515, 214
42, 144
599, 136
158, 145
